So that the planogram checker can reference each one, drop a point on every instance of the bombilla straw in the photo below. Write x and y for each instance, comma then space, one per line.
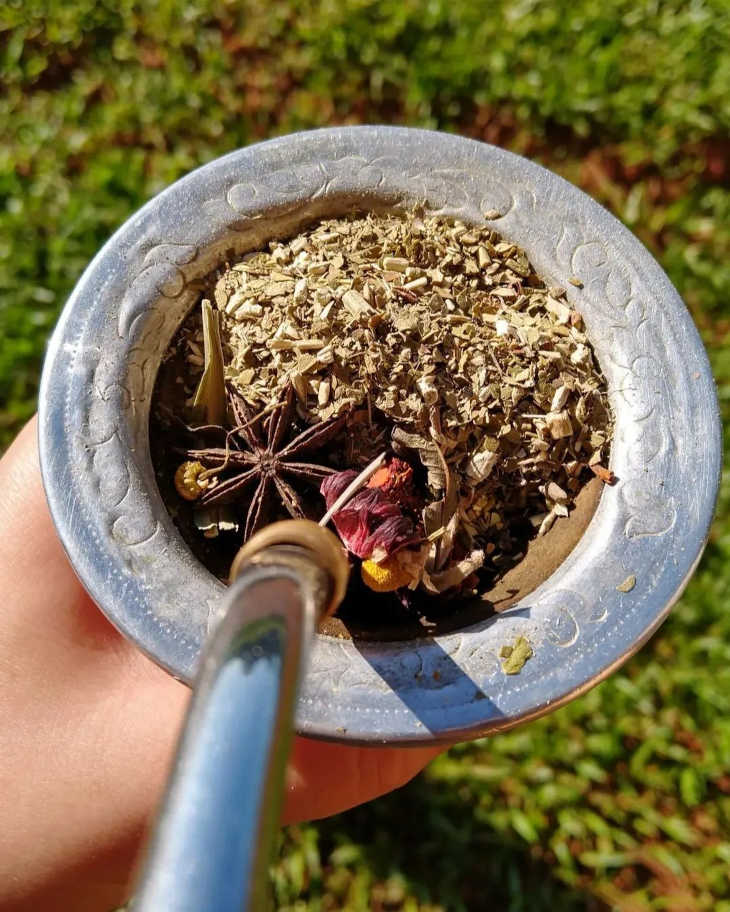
213, 840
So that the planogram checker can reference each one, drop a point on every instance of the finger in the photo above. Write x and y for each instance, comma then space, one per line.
40, 580
325, 778
23, 508
29, 543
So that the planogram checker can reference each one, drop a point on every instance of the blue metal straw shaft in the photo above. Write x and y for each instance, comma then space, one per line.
214, 837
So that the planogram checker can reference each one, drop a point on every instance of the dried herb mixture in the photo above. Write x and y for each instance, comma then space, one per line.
432, 341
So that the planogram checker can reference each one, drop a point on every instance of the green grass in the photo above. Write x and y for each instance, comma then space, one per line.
622, 799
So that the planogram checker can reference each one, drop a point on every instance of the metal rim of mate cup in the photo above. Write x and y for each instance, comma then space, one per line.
652, 525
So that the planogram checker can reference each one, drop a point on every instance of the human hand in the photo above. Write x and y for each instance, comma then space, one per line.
88, 726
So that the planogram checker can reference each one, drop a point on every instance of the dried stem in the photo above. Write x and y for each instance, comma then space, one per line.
353, 488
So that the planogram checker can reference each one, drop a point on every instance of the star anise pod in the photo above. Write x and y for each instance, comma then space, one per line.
256, 455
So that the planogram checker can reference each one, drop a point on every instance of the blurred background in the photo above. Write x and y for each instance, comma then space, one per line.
622, 799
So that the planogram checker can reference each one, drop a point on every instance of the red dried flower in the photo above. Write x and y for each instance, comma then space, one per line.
370, 523
396, 480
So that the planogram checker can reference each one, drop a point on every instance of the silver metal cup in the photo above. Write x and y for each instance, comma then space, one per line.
101, 368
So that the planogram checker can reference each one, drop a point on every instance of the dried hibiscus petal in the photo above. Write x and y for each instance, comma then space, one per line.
370, 523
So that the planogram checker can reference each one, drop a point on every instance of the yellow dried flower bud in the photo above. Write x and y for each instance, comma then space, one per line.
386, 576
187, 484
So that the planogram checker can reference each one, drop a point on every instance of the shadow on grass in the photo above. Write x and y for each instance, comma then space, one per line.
428, 842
